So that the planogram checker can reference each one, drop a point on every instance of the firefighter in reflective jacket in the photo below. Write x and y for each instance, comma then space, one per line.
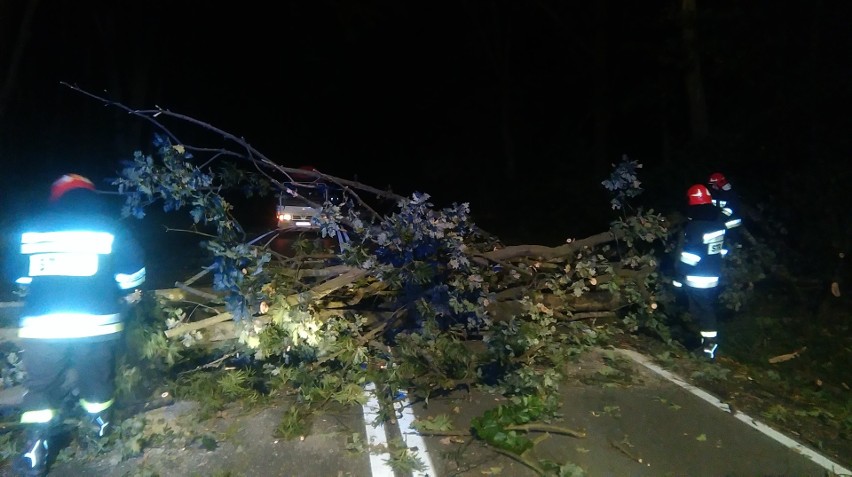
726, 199
699, 264
77, 265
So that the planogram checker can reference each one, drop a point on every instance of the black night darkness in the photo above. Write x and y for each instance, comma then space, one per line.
500, 104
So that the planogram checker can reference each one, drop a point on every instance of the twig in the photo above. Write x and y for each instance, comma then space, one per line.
197, 325
586, 315
258, 160
327, 287
198, 275
623, 450
483, 259
212, 364
202, 305
444, 433
546, 428
196, 232
195, 291
521, 459
788, 356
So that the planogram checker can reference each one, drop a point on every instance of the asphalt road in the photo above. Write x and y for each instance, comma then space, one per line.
652, 425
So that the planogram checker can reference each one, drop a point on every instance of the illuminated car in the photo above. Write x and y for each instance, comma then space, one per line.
300, 211
296, 216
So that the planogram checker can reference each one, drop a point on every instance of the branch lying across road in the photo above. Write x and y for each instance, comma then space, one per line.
318, 292
548, 253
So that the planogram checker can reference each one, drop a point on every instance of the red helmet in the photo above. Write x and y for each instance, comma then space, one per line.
698, 195
69, 182
717, 180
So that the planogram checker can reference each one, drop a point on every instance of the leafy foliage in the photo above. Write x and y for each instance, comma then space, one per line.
494, 427
623, 183
172, 178
12, 372
440, 296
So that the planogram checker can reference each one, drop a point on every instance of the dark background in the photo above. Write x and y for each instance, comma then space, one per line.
518, 107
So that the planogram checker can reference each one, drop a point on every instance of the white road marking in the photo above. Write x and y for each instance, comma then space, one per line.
818, 458
376, 435
413, 439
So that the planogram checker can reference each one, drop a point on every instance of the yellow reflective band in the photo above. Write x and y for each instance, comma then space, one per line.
709, 334
42, 416
61, 332
96, 407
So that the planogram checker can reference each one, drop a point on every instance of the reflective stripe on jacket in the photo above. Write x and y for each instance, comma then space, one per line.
69, 325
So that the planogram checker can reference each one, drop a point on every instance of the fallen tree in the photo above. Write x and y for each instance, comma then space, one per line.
418, 298
416, 248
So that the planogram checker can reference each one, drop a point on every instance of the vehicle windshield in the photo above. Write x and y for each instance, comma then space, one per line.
317, 192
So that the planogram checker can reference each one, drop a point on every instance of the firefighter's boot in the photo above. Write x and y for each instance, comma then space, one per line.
709, 346
32, 462
101, 424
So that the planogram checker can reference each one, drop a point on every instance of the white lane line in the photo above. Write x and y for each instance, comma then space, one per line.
376, 436
818, 458
412, 438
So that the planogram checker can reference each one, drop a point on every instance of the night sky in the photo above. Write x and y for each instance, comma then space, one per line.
518, 107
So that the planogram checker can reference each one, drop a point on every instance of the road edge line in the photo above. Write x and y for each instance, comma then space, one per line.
405, 419
376, 435
782, 439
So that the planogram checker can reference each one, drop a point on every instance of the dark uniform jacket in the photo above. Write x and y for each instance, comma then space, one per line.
699, 264
77, 267
729, 204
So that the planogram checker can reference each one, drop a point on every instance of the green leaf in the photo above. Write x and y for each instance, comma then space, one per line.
440, 422
208, 443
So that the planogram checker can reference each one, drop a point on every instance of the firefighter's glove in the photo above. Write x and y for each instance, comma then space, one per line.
133, 298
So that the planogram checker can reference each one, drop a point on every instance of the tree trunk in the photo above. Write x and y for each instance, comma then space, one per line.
694, 83
12, 54
495, 42
502, 35
600, 105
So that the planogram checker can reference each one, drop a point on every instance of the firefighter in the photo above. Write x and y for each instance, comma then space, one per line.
79, 268
698, 265
726, 199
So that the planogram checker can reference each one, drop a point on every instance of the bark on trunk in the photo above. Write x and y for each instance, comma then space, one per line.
694, 81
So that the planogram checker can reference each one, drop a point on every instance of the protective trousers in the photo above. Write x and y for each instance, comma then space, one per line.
46, 364
702, 306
